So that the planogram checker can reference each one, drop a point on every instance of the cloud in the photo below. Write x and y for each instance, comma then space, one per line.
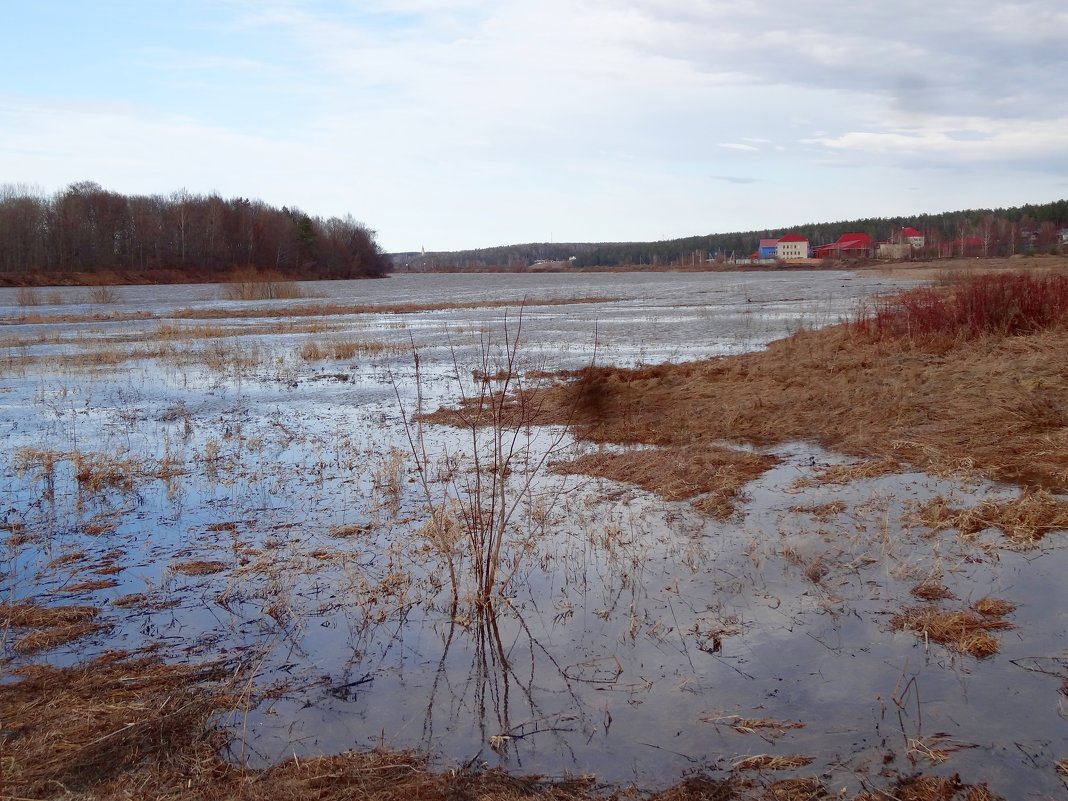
736, 179
468, 122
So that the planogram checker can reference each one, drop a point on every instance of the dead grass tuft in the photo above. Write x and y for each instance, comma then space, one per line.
29, 615
712, 475
312, 351
848, 473
55, 636
351, 530
703, 788
993, 607
771, 762
90, 585
931, 590
796, 790
52, 625
98, 471
960, 631
199, 567
930, 788
1025, 520
761, 726
823, 512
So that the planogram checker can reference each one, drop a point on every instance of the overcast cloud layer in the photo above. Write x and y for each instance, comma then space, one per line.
463, 123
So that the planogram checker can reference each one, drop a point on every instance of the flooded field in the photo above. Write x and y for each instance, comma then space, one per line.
250, 483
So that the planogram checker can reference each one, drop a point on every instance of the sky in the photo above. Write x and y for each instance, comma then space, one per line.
453, 124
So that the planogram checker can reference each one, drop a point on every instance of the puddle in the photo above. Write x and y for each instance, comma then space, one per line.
240, 501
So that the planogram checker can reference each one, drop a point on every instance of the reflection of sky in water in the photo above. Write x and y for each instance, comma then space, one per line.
605, 659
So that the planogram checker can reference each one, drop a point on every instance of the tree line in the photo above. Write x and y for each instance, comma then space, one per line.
974, 232
85, 228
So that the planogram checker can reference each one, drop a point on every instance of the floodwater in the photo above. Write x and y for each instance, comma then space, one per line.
632, 632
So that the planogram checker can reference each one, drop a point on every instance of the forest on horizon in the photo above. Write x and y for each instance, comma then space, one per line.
86, 229
978, 232
86, 233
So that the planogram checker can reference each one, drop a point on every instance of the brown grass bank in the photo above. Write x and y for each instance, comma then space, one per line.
964, 379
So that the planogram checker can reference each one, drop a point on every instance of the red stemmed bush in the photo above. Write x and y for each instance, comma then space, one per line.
999, 303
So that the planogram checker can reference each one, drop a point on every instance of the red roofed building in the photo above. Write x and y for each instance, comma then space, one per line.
909, 236
791, 246
848, 246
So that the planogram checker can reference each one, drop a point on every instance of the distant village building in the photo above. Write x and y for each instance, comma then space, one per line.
767, 249
848, 246
791, 246
902, 244
910, 236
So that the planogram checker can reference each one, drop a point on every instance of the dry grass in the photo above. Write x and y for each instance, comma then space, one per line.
91, 585
960, 631
51, 626
199, 567
930, 788
848, 473
77, 729
772, 762
1024, 521
823, 512
47, 639
762, 726
931, 590
98, 471
796, 790
994, 405
711, 474
293, 311
312, 351
29, 615
993, 607
351, 530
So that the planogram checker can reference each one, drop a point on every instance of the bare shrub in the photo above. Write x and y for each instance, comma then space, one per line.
484, 488
103, 295
1002, 303
28, 296
251, 284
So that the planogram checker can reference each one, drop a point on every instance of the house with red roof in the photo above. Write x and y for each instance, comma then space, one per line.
908, 236
791, 246
848, 246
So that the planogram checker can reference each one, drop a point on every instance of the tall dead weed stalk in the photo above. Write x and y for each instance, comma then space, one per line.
475, 493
